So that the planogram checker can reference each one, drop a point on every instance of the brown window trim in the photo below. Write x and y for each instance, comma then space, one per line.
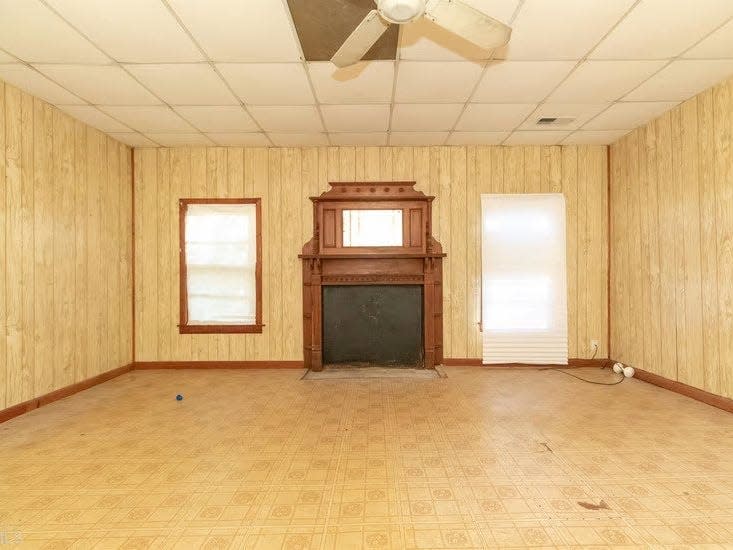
184, 327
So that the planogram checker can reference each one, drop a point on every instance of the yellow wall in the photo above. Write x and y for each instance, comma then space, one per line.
672, 244
284, 178
65, 250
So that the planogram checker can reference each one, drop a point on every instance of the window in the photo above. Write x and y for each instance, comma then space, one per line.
372, 227
524, 289
221, 282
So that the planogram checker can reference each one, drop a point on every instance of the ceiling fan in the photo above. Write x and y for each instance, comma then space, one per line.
453, 15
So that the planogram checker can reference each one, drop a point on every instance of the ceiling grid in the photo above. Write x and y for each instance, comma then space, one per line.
169, 72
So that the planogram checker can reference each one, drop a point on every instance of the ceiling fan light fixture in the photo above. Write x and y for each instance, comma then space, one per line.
401, 11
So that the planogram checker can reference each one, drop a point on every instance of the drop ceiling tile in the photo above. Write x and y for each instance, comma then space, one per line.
356, 118
32, 32
561, 29
660, 29
133, 31
433, 81
594, 137
625, 116
219, 118
268, 83
417, 138
493, 117
149, 119
361, 83
520, 81
415, 117
298, 140
251, 139
551, 137
100, 84
682, 79
180, 140
579, 113
425, 41
133, 139
477, 138
719, 45
94, 117
236, 31
184, 83
302, 119
363, 139
603, 81
33, 82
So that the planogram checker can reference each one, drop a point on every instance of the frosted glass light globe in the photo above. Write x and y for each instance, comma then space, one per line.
400, 11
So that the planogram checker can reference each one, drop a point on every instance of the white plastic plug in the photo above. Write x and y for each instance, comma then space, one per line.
627, 371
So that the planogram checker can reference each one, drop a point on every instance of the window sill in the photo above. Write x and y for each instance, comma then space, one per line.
220, 329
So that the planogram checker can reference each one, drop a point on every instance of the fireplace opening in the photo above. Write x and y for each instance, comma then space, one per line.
373, 325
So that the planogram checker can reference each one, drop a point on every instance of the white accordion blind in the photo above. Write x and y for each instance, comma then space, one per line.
524, 286
221, 263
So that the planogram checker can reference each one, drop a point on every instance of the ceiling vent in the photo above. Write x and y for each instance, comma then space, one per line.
554, 121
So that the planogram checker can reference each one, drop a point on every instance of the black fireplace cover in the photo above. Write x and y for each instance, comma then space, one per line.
373, 324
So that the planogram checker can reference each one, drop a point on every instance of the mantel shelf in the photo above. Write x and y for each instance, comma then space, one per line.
370, 256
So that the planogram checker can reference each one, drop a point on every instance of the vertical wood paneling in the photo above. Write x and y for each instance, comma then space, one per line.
676, 174
708, 237
691, 268
166, 293
723, 129
27, 259
235, 188
678, 223
276, 336
126, 244
291, 278
666, 246
3, 256
13, 245
179, 188
582, 250
258, 185
473, 256
458, 324
95, 248
285, 178
80, 251
570, 190
52, 176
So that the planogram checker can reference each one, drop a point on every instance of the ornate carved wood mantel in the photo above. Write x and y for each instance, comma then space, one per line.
326, 261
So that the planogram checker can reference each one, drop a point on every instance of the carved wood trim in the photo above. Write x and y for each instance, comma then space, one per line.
418, 261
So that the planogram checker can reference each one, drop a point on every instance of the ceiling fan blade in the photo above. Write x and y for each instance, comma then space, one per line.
468, 23
361, 40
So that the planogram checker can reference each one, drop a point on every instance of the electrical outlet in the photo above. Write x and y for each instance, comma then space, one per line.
594, 345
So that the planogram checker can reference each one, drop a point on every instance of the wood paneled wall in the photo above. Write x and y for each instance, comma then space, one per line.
65, 250
672, 244
285, 178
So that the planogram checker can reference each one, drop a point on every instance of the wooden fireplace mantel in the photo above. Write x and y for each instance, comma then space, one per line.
326, 261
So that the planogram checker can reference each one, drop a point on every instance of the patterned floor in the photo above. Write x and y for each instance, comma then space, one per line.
262, 459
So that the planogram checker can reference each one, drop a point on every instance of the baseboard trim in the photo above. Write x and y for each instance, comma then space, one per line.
476, 362
66, 391
152, 365
697, 394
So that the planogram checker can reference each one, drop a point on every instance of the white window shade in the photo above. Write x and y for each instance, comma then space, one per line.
524, 288
221, 264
